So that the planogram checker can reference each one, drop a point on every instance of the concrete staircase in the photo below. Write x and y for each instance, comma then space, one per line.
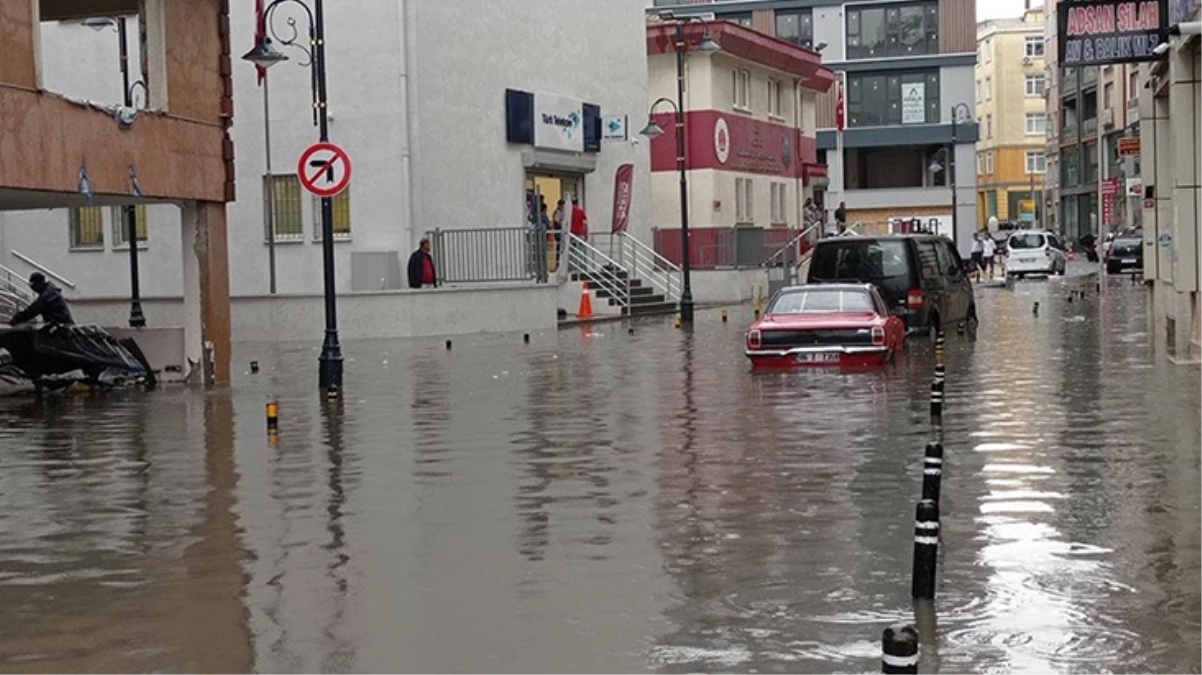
644, 300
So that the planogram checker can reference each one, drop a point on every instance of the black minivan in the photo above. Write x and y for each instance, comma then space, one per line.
921, 277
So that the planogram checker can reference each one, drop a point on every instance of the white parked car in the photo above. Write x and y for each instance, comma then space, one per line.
1035, 252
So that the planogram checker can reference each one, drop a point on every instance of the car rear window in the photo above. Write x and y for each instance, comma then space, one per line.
825, 300
1030, 240
870, 260
1128, 242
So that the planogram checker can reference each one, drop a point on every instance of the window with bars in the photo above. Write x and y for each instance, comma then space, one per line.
741, 88
86, 224
120, 227
285, 191
342, 216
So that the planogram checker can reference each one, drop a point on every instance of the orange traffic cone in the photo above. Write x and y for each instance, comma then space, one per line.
586, 303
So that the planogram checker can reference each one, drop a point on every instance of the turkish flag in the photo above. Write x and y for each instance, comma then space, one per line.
260, 32
840, 107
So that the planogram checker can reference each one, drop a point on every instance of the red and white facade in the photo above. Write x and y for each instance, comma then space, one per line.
750, 127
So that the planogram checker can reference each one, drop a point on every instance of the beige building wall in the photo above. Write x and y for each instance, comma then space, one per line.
1003, 105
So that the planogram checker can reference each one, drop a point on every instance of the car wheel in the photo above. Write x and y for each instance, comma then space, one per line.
973, 323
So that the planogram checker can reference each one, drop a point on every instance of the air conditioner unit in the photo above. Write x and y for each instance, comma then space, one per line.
1108, 118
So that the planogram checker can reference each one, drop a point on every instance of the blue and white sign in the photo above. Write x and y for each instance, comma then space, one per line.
614, 128
552, 121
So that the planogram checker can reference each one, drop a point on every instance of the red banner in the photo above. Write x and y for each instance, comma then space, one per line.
623, 190
725, 141
260, 33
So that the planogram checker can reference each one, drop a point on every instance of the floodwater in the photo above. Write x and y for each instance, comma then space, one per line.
604, 502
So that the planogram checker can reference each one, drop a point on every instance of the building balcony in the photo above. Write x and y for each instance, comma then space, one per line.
1089, 128
1089, 76
1068, 134
1068, 84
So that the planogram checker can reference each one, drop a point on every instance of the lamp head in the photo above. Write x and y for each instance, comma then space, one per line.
708, 44
264, 54
653, 130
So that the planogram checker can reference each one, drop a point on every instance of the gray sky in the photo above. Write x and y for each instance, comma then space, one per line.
1000, 9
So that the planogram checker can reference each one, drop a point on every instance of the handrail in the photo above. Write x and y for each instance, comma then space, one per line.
791, 243
584, 257
646, 263
49, 272
14, 283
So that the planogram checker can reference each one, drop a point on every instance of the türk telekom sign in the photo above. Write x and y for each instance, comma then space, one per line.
1094, 32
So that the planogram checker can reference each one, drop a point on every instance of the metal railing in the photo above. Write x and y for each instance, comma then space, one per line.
601, 271
491, 254
15, 295
45, 270
791, 252
641, 261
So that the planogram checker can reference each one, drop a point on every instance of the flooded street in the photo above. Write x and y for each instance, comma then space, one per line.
603, 502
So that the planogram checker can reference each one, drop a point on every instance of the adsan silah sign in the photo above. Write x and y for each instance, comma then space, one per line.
1094, 32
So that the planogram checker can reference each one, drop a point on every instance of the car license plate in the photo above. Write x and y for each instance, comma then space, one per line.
820, 357
1128, 261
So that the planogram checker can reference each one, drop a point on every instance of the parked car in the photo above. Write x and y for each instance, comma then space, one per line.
1035, 252
1126, 252
825, 325
921, 277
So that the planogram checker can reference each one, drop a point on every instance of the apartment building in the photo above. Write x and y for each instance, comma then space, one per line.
1093, 182
906, 67
1010, 83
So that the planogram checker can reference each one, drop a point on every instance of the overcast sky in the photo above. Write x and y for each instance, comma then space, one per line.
1000, 9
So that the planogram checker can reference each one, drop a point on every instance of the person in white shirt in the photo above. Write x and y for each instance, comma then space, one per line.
988, 251
978, 253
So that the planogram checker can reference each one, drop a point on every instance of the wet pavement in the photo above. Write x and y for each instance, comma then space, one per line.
604, 502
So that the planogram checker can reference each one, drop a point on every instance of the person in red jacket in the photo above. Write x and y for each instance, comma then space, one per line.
579, 219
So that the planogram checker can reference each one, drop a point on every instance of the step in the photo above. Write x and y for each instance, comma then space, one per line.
648, 299
648, 309
636, 291
589, 276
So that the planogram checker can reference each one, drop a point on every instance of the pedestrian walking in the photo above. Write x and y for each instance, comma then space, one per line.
988, 252
421, 266
978, 253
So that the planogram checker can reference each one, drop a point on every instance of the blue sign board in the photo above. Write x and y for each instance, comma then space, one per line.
1183, 10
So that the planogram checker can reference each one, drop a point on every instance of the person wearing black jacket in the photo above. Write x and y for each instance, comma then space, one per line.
421, 267
49, 304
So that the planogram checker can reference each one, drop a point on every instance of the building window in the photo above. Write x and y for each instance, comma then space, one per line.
87, 228
1036, 84
1133, 90
779, 213
288, 221
1108, 95
987, 51
743, 19
880, 31
989, 126
1037, 124
741, 88
120, 228
989, 162
744, 201
775, 108
988, 88
979, 90
980, 164
1036, 162
1034, 47
880, 99
796, 27
342, 216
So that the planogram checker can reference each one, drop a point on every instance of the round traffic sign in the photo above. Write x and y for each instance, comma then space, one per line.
324, 169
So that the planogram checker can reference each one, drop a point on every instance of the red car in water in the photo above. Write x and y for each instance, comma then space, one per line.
825, 325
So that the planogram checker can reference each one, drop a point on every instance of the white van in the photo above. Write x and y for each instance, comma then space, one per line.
1034, 252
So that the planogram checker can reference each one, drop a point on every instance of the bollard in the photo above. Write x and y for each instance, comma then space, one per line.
1098, 287
899, 649
1070, 298
940, 375
936, 401
630, 331
273, 437
676, 322
254, 366
273, 415
448, 345
724, 316
926, 548
1035, 309
932, 472
526, 338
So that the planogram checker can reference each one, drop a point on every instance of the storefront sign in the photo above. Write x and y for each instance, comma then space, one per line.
726, 142
552, 121
1110, 187
614, 128
1107, 208
1128, 146
1183, 10
1135, 187
1093, 32
914, 102
623, 191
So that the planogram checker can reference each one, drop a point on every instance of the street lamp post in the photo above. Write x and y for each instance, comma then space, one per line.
265, 54
137, 319
653, 130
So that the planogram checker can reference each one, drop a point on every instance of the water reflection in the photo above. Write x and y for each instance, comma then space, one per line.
601, 501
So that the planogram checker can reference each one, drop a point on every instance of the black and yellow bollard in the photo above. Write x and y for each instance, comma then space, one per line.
676, 321
526, 338
254, 367
273, 415
448, 345
1035, 309
724, 316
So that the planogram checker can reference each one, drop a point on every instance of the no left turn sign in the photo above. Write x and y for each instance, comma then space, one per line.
324, 169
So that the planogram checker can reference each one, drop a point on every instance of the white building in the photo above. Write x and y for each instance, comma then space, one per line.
417, 96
